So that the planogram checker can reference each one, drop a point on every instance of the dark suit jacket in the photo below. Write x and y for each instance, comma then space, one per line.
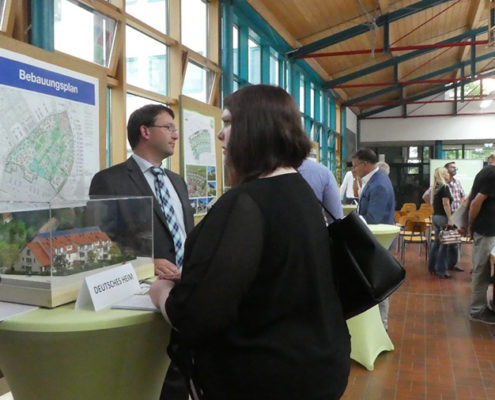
126, 179
377, 201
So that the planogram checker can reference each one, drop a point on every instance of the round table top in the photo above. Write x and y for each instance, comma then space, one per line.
385, 229
66, 319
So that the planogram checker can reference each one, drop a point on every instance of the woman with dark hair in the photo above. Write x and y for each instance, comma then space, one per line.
256, 305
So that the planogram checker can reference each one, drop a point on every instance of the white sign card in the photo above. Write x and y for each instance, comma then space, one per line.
108, 287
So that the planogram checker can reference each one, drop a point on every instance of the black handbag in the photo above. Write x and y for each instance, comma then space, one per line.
365, 272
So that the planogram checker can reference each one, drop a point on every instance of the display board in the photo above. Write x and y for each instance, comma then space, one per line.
49, 129
466, 171
201, 153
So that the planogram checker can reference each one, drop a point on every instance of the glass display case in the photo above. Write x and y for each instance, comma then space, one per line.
47, 249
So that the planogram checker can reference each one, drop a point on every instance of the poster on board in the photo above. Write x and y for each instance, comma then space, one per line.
49, 130
200, 159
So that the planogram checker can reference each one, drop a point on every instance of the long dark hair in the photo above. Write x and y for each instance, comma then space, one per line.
266, 132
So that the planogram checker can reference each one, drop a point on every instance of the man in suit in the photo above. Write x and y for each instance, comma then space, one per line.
152, 135
377, 199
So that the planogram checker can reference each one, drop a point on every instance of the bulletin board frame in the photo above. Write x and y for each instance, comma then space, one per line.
201, 153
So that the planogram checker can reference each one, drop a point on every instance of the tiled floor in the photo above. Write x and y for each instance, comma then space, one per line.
439, 354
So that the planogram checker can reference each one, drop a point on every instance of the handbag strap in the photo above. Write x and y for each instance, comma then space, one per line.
328, 212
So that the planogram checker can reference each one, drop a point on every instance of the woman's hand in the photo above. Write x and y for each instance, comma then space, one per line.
159, 291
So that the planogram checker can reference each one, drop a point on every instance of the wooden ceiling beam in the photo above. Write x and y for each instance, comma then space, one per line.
364, 27
430, 75
406, 57
260, 7
384, 6
474, 20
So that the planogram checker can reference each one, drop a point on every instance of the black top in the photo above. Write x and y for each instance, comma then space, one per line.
441, 193
484, 183
257, 302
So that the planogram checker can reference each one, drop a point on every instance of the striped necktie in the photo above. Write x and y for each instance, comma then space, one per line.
168, 210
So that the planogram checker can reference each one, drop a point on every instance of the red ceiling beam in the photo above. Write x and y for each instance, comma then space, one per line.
398, 102
411, 82
435, 115
397, 48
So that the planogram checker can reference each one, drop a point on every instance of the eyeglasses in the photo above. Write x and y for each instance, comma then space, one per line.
169, 127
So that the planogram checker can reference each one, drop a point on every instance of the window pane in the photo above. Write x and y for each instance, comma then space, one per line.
274, 67
194, 25
235, 85
147, 62
254, 62
152, 12
301, 94
2, 12
83, 33
235, 51
312, 103
198, 82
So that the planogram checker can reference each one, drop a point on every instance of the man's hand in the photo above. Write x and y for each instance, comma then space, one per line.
166, 269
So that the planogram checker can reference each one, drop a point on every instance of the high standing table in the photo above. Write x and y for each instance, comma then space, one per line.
63, 353
348, 208
368, 335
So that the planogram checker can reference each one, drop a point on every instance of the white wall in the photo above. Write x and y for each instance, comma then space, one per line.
350, 120
429, 129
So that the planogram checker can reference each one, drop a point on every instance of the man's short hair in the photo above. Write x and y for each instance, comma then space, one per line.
144, 116
491, 157
366, 154
447, 164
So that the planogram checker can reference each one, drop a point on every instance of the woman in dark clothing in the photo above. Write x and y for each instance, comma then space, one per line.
257, 304
442, 216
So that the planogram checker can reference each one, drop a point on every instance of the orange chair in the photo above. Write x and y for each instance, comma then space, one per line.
415, 231
408, 207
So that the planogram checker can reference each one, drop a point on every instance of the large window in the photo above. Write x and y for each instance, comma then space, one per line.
2, 13
151, 12
147, 62
83, 32
198, 82
254, 62
235, 51
194, 17
274, 69
302, 94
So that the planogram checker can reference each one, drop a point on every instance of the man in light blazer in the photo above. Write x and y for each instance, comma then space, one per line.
152, 135
376, 201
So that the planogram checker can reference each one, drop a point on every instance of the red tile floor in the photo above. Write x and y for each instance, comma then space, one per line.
439, 353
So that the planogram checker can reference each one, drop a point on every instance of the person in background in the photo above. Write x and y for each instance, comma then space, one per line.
458, 195
351, 186
323, 183
152, 135
491, 159
377, 200
256, 304
384, 167
442, 215
482, 227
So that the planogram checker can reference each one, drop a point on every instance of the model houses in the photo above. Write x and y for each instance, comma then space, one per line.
64, 251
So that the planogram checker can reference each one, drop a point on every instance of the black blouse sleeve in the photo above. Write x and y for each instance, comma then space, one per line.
220, 266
